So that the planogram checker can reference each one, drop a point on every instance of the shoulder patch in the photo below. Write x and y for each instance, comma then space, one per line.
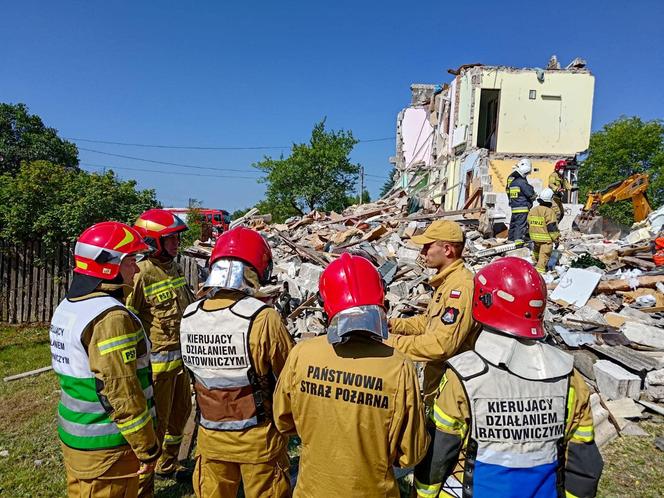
129, 355
455, 294
450, 315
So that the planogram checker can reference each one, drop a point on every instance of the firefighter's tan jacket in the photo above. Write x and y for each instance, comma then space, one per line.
159, 298
453, 412
269, 345
357, 409
447, 328
121, 390
543, 225
558, 184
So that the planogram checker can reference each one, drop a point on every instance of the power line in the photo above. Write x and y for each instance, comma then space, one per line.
169, 172
200, 147
192, 166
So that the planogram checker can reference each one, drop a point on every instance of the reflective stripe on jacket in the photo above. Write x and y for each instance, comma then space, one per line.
83, 421
543, 224
519, 193
159, 298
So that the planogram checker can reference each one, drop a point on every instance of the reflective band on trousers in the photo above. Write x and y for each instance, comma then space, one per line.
170, 439
520, 210
427, 489
231, 425
166, 361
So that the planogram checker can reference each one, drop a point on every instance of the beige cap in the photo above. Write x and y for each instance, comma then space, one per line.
449, 231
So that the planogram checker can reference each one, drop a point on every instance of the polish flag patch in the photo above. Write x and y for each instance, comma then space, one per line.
455, 294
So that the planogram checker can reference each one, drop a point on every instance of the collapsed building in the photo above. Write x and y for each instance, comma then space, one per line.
457, 142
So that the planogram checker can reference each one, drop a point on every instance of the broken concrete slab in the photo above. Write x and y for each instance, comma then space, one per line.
614, 382
309, 276
576, 286
624, 408
604, 429
632, 429
653, 407
574, 338
643, 334
399, 289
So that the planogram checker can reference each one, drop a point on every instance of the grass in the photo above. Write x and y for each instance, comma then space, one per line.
632, 465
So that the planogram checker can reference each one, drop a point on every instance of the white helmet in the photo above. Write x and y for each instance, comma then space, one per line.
524, 166
546, 195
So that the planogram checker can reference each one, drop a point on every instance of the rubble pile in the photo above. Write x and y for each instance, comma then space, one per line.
606, 297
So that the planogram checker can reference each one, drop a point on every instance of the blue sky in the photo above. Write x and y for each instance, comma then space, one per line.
256, 74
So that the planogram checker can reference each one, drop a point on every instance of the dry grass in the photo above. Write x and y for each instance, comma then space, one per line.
633, 466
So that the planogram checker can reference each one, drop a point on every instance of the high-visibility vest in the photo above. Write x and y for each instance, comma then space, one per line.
516, 443
83, 422
215, 348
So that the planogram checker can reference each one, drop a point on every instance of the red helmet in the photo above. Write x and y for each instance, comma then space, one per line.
246, 245
154, 224
348, 282
353, 298
510, 296
560, 165
101, 248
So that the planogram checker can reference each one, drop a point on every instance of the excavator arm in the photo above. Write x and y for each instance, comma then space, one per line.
633, 187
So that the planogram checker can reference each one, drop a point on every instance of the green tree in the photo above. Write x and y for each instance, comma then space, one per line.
355, 199
620, 149
195, 224
317, 175
238, 213
54, 204
24, 137
389, 183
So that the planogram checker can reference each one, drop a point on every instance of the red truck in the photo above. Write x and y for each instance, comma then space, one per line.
220, 219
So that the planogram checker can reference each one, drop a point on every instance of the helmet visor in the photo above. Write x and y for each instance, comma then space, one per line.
370, 319
228, 274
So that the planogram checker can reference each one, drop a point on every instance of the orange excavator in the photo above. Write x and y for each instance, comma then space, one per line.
633, 187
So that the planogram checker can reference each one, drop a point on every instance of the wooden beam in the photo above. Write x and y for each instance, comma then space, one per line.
611, 286
27, 374
443, 214
306, 303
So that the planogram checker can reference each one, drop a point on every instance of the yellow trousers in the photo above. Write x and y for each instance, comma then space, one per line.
119, 481
172, 398
541, 254
217, 479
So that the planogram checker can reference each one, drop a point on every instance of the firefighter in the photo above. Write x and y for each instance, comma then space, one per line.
543, 229
521, 196
447, 327
159, 297
531, 429
352, 399
100, 354
560, 186
236, 346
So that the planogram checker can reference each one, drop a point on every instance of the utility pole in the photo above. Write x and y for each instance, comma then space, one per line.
361, 184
